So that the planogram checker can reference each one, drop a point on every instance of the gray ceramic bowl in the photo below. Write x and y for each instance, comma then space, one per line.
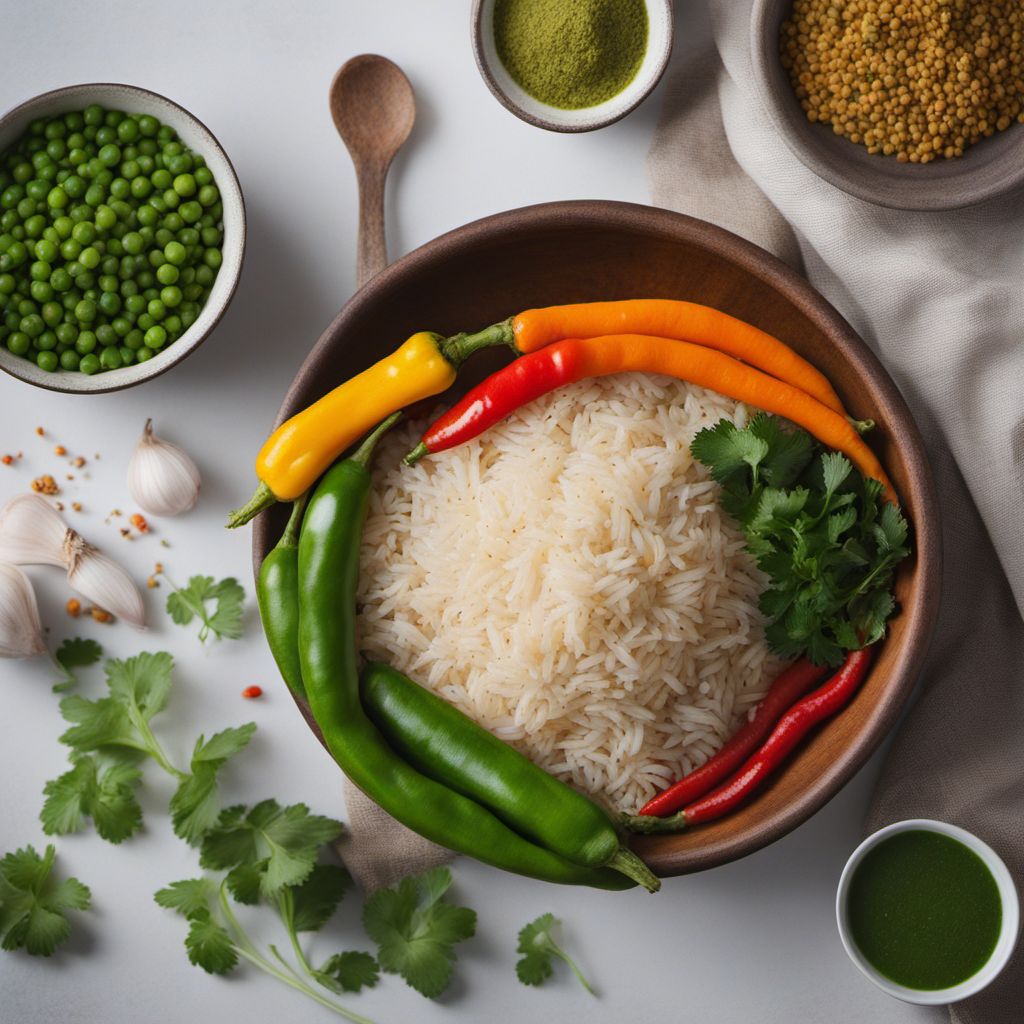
197, 137
554, 119
990, 168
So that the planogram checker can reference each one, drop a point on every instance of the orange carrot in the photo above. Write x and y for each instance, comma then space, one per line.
683, 321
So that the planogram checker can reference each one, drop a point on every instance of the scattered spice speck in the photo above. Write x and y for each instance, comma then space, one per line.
78, 462
152, 582
45, 484
126, 533
60, 450
165, 543
77, 506
40, 431
59, 506
252, 692
71, 476
73, 607
100, 614
139, 522
8, 460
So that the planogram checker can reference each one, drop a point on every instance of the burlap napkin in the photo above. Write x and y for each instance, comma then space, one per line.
940, 297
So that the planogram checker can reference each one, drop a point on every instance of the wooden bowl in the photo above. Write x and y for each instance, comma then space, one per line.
579, 251
990, 168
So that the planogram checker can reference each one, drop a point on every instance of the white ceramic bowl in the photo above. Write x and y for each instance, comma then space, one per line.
524, 106
1007, 935
196, 136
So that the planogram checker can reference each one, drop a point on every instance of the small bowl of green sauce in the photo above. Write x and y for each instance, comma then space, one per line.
574, 65
927, 911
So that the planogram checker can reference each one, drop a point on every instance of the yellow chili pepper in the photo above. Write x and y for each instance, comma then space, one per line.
303, 447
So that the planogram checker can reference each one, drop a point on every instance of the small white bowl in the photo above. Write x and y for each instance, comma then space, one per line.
1007, 936
194, 134
513, 97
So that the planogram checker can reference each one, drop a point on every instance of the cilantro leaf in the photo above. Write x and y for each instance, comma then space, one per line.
209, 945
416, 930
316, 899
33, 905
538, 946
97, 724
189, 897
190, 602
195, 805
282, 841
349, 972
75, 652
818, 529
102, 789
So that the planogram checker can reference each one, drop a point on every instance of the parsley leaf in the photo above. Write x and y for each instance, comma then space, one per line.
190, 602
349, 972
99, 788
280, 843
820, 531
538, 947
33, 905
75, 652
195, 805
416, 930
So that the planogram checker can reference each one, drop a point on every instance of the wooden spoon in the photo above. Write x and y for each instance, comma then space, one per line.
373, 107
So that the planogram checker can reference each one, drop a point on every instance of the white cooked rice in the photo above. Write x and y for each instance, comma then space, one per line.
570, 581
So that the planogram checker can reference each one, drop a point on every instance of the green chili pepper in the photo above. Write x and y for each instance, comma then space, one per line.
451, 748
277, 593
328, 573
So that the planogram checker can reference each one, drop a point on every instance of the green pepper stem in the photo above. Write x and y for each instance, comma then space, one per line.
459, 347
290, 537
861, 426
629, 864
416, 454
362, 455
263, 497
648, 824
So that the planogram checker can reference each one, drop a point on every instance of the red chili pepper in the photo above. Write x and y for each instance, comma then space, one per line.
791, 729
788, 686
251, 692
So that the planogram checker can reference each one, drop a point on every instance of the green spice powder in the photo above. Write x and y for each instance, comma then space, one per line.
571, 53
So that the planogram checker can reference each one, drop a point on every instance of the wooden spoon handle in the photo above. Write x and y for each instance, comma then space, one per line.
372, 253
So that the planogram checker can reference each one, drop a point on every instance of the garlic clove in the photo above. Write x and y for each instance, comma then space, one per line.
31, 532
34, 533
162, 479
21, 632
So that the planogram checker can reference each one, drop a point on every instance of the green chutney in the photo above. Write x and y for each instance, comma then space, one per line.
924, 910
571, 54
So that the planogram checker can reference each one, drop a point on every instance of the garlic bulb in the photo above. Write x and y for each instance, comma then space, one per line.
21, 632
162, 479
33, 533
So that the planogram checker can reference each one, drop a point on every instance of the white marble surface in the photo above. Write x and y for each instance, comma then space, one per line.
752, 941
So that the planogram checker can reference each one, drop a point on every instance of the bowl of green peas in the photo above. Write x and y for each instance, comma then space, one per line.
122, 234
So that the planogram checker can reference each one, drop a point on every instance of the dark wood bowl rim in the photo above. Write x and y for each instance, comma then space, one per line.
921, 610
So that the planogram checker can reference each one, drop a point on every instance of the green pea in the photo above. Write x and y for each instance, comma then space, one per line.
89, 258
67, 333
141, 187
35, 226
167, 273
45, 250
127, 355
35, 189
57, 198
41, 291
109, 264
173, 222
106, 335
74, 186
32, 325
7, 284
145, 321
158, 204
162, 236
89, 365
85, 343
40, 271
145, 279
208, 195
156, 337
134, 339
107, 137
110, 358
185, 185
156, 309
145, 161
130, 168
162, 179
105, 218
83, 232
120, 189
170, 296
69, 360
64, 226
148, 125
172, 325
93, 114
128, 130
190, 211
47, 361
171, 199
147, 216
77, 157
52, 314
95, 194
60, 280
18, 342
135, 304
109, 282
122, 325
85, 311
70, 249
175, 253
129, 287
144, 354
189, 236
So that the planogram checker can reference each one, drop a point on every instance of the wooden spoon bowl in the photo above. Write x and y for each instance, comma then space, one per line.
580, 251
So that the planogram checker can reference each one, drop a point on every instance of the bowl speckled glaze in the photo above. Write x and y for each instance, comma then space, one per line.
198, 138
580, 251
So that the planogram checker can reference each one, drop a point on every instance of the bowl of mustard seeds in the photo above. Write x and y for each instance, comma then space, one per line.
571, 66
908, 104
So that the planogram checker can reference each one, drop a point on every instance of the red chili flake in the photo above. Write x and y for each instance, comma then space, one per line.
7, 460
60, 450
139, 522
252, 692
74, 607
100, 615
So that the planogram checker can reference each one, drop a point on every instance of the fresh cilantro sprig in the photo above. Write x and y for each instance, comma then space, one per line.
111, 736
75, 652
192, 602
33, 904
822, 533
270, 855
538, 947
416, 930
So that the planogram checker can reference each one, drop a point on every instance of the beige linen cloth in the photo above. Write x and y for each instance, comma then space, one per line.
941, 299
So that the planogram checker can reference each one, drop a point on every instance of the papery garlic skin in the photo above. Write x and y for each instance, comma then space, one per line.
162, 479
21, 631
33, 533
